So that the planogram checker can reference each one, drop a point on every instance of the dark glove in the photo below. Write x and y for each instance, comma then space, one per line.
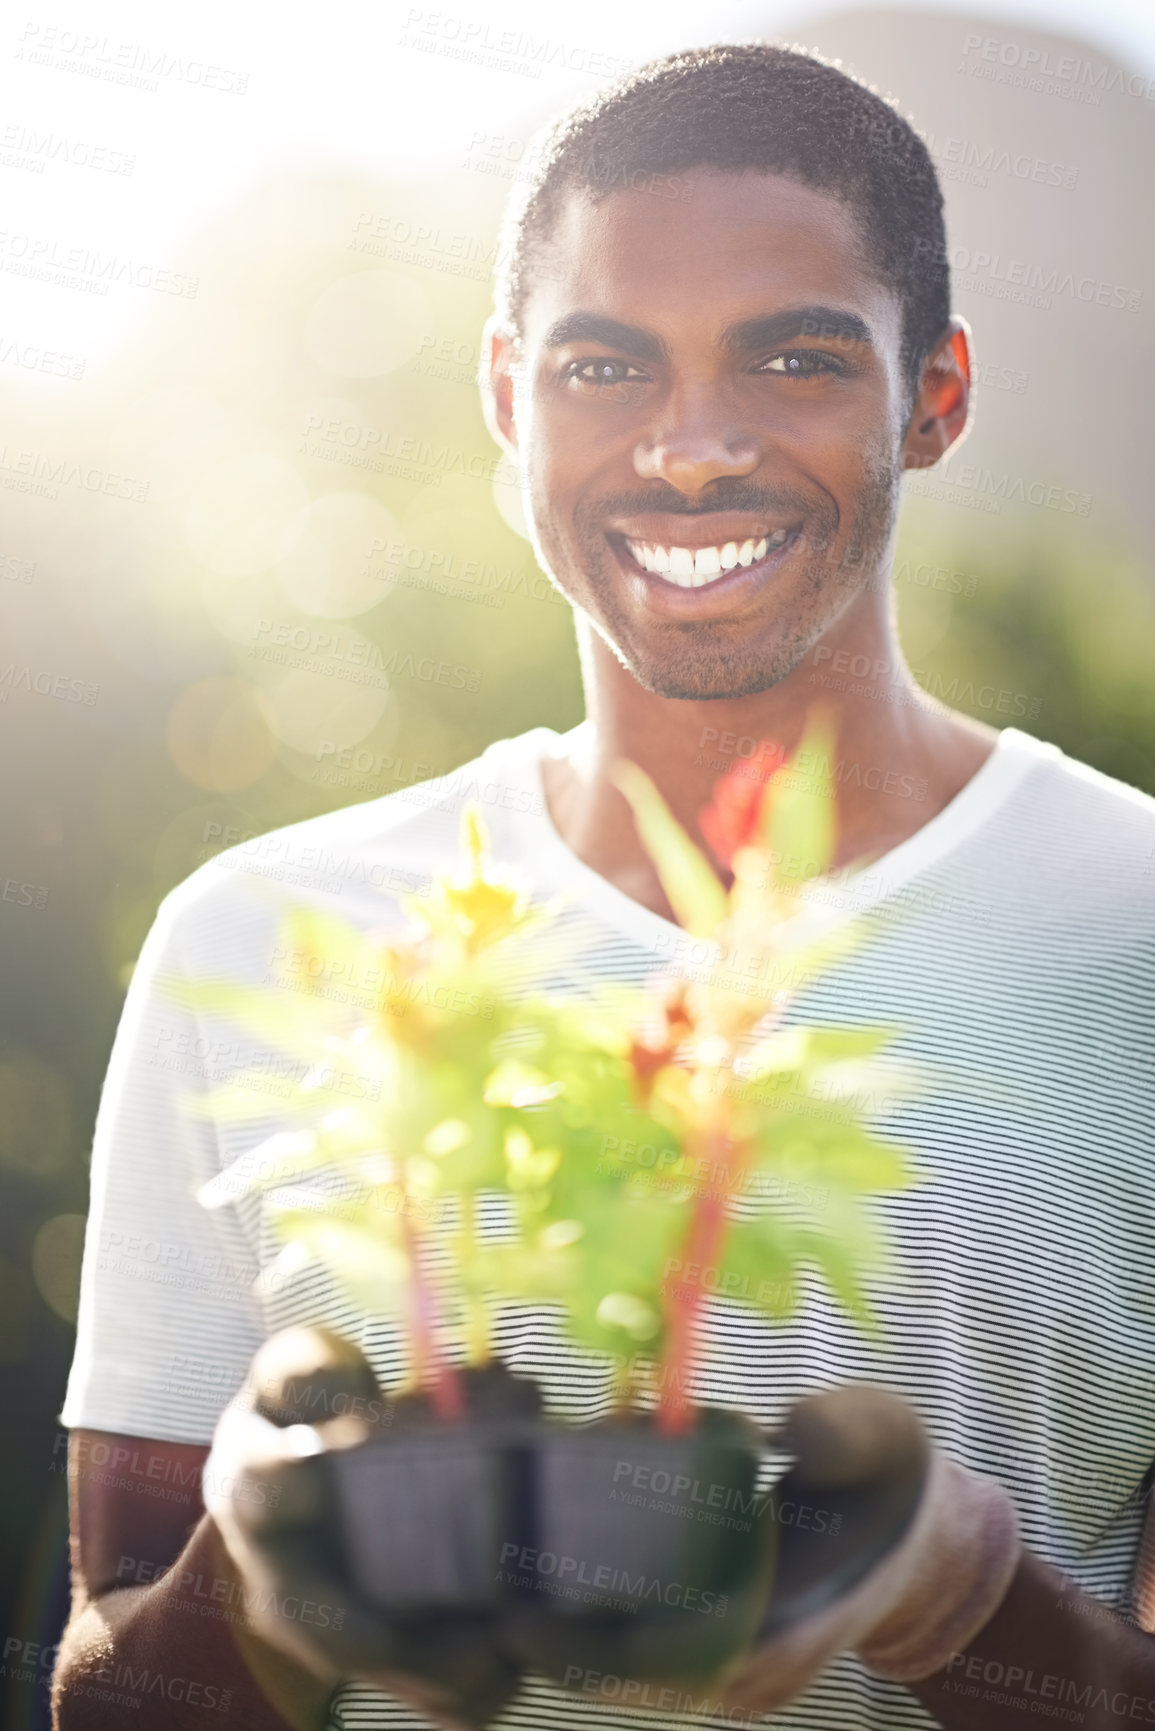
904, 1557
266, 1485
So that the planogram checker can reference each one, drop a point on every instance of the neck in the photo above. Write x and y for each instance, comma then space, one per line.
900, 756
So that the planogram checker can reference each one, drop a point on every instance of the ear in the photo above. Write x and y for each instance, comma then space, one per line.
495, 378
942, 411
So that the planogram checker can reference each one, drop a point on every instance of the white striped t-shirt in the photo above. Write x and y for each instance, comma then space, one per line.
1011, 941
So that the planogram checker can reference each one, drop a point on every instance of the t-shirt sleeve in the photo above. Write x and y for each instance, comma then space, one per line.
167, 1322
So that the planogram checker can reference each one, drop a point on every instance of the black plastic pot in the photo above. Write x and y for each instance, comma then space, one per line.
422, 1512
609, 1546
652, 1556
425, 1515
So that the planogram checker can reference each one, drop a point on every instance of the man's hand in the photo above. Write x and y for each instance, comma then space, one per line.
884, 1546
925, 1551
266, 1487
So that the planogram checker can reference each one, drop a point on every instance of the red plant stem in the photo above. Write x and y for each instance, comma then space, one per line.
433, 1370
705, 1236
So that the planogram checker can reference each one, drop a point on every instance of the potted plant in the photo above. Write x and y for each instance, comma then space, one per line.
452, 1148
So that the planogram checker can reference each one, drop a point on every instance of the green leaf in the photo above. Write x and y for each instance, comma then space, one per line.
841, 1264
373, 1270
694, 891
798, 816
833, 1150
286, 1021
758, 1266
281, 1159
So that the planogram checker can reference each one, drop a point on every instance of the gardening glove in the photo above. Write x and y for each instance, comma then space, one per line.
905, 1556
266, 1486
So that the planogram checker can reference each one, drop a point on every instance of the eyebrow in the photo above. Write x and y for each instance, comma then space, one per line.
833, 324
594, 328
830, 323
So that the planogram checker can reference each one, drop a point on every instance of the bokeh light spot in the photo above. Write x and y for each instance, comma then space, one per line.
368, 323
218, 735
35, 1117
319, 713
247, 513
57, 1250
331, 570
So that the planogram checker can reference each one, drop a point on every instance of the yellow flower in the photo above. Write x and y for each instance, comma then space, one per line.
471, 906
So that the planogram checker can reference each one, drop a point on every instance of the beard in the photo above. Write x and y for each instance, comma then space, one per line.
725, 659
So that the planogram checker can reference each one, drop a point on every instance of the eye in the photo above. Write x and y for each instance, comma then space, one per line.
604, 370
804, 364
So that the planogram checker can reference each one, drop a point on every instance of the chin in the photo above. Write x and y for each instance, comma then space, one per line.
699, 677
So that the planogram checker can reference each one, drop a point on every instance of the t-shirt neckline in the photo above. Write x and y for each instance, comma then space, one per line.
1014, 755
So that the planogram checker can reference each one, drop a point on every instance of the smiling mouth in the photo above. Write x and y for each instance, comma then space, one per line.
697, 567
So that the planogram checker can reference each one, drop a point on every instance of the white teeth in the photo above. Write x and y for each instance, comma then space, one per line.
691, 567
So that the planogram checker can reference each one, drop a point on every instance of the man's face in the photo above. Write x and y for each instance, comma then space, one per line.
709, 417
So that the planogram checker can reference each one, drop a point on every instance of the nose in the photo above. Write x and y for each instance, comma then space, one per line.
693, 440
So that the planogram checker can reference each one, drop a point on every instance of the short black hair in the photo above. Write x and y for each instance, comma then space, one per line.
742, 106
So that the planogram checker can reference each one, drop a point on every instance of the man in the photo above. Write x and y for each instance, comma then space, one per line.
712, 400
